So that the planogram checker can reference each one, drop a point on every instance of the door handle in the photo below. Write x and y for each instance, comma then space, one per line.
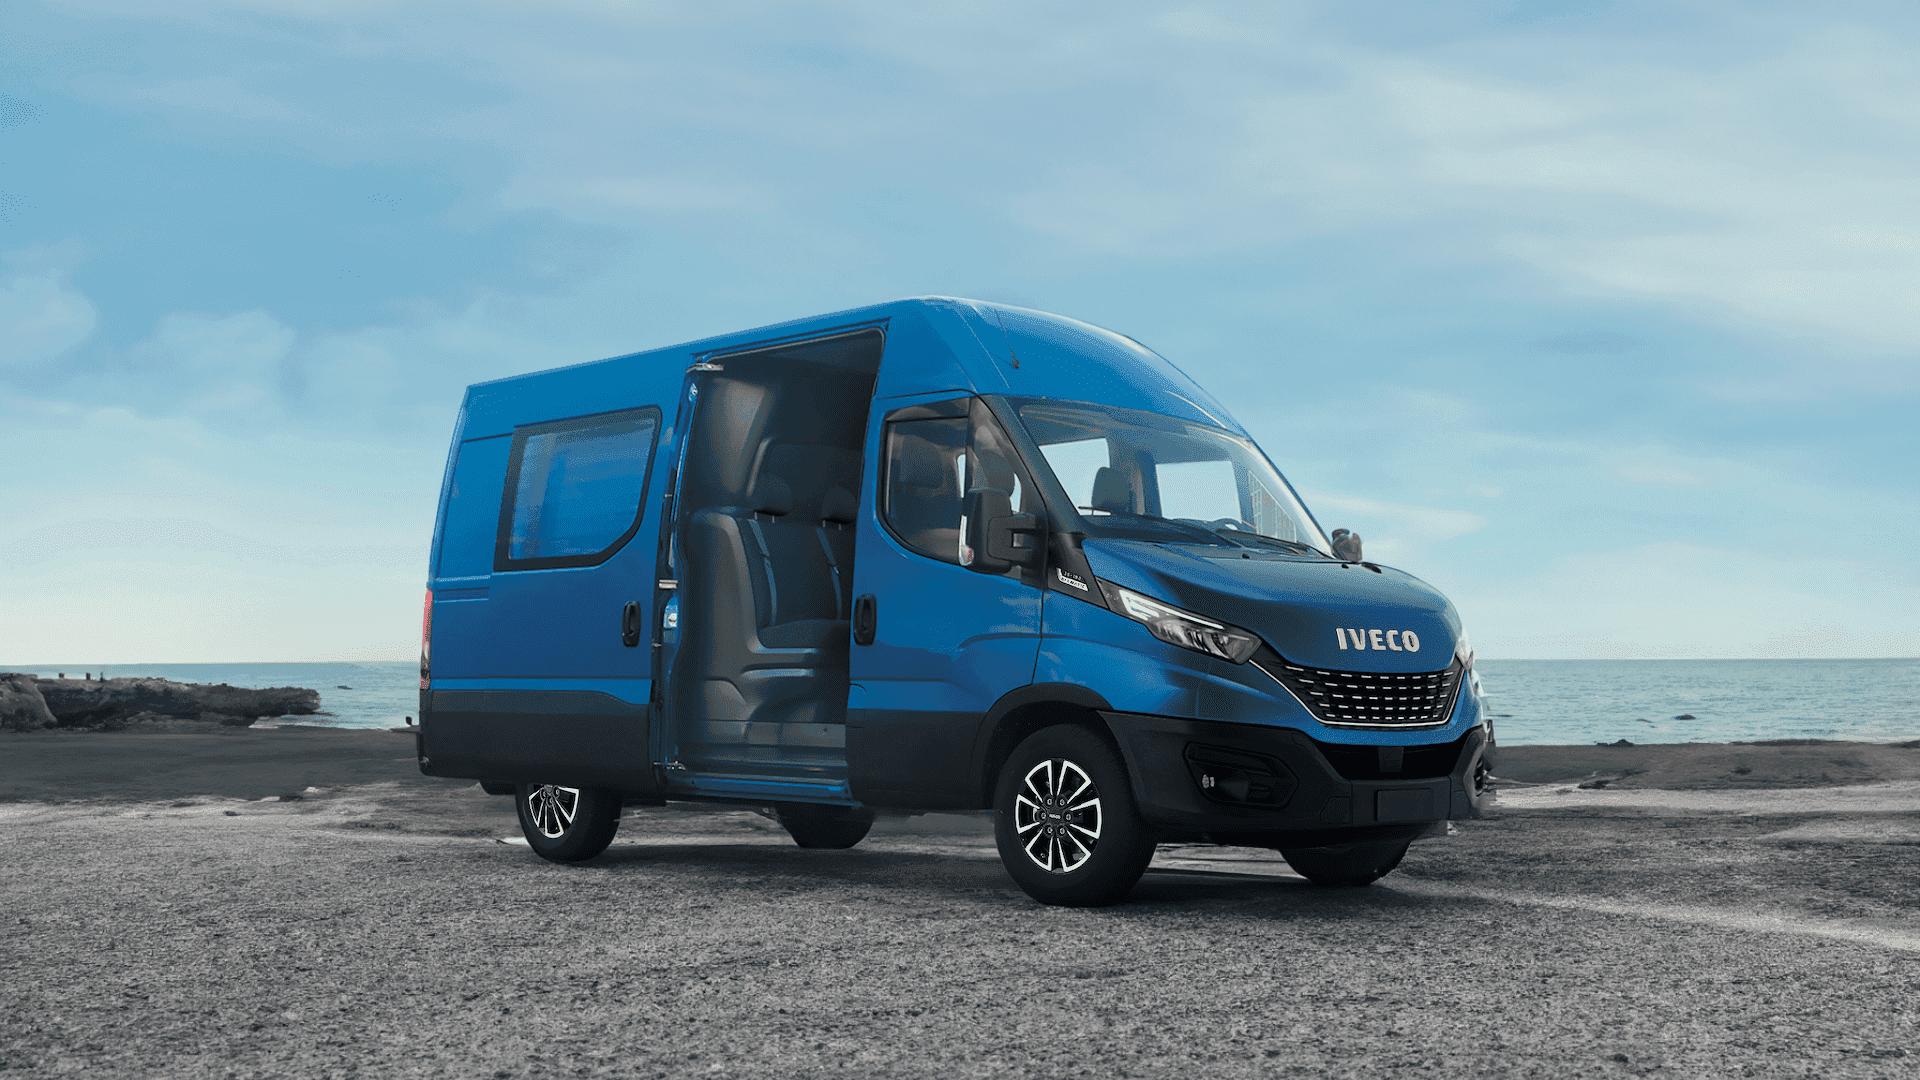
866, 618
630, 624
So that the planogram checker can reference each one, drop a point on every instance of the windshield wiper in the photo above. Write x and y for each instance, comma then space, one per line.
1289, 545
1201, 531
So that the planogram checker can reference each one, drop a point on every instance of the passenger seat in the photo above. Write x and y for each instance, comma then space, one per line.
797, 602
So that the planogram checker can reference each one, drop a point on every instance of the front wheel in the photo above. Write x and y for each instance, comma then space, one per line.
1065, 822
1359, 863
564, 824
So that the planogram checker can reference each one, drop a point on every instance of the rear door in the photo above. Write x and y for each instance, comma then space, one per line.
936, 643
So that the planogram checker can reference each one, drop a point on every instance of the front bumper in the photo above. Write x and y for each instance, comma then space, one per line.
1311, 802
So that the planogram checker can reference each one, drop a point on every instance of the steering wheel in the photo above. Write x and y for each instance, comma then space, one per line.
1230, 523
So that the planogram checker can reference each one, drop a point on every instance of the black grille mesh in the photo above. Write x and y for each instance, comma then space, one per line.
1371, 699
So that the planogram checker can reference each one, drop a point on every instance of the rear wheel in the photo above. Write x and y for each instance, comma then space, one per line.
564, 824
1065, 822
1359, 863
814, 826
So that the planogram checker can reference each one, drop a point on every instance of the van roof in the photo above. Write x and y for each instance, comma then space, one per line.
935, 343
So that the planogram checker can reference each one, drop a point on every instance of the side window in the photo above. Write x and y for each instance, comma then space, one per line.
473, 508
924, 484
933, 463
575, 489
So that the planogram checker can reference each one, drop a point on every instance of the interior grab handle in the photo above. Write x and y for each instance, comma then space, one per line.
866, 618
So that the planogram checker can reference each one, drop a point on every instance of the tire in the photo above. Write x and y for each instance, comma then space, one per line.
564, 824
1359, 863
814, 826
1065, 821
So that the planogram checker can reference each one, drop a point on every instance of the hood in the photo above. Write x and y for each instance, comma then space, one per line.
1312, 611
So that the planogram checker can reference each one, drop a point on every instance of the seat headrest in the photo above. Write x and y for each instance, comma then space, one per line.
994, 469
839, 506
1111, 492
772, 496
920, 466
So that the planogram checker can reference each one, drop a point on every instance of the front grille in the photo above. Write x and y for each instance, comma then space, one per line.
1367, 699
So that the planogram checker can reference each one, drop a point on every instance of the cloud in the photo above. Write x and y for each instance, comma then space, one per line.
224, 365
42, 317
1391, 531
1648, 470
1772, 183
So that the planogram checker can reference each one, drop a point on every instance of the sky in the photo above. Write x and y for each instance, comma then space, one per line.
1604, 318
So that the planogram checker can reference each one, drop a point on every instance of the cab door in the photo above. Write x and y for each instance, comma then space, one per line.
936, 640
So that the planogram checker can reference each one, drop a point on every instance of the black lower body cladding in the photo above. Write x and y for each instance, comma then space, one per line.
1302, 796
570, 738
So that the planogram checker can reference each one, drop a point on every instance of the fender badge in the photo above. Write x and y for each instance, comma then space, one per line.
1071, 579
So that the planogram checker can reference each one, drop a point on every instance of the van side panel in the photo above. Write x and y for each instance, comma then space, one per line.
531, 680
446, 492
935, 346
1117, 659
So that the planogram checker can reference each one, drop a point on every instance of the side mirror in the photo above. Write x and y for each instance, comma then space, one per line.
1346, 545
996, 537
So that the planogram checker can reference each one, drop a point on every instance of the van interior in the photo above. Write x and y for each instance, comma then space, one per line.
764, 559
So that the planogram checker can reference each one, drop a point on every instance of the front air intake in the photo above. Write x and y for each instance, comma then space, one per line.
1367, 699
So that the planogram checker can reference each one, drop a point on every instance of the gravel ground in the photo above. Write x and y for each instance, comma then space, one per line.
384, 930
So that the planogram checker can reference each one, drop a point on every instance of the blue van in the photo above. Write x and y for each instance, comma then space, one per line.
934, 555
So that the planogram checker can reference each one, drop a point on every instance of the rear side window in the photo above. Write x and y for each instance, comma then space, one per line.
473, 508
575, 489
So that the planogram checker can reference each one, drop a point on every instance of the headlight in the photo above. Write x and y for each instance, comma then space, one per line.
1463, 652
1176, 626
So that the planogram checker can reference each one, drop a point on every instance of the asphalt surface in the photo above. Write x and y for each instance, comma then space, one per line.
387, 930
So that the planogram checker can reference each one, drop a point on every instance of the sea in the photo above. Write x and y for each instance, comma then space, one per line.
1533, 702
364, 695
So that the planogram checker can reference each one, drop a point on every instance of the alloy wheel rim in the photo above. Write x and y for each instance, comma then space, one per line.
553, 809
1056, 815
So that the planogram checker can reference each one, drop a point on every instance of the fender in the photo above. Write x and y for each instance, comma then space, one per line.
1029, 708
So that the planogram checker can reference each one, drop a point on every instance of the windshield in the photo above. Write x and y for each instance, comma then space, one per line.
1142, 476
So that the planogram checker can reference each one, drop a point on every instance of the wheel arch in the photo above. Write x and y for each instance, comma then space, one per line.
1020, 713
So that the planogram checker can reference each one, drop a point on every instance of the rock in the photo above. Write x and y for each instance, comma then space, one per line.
117, 703
22, 708
1685, 716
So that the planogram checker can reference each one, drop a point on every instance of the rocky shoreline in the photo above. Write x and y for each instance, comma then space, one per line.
30, 703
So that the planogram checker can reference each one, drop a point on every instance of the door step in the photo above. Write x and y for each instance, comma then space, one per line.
724, 785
